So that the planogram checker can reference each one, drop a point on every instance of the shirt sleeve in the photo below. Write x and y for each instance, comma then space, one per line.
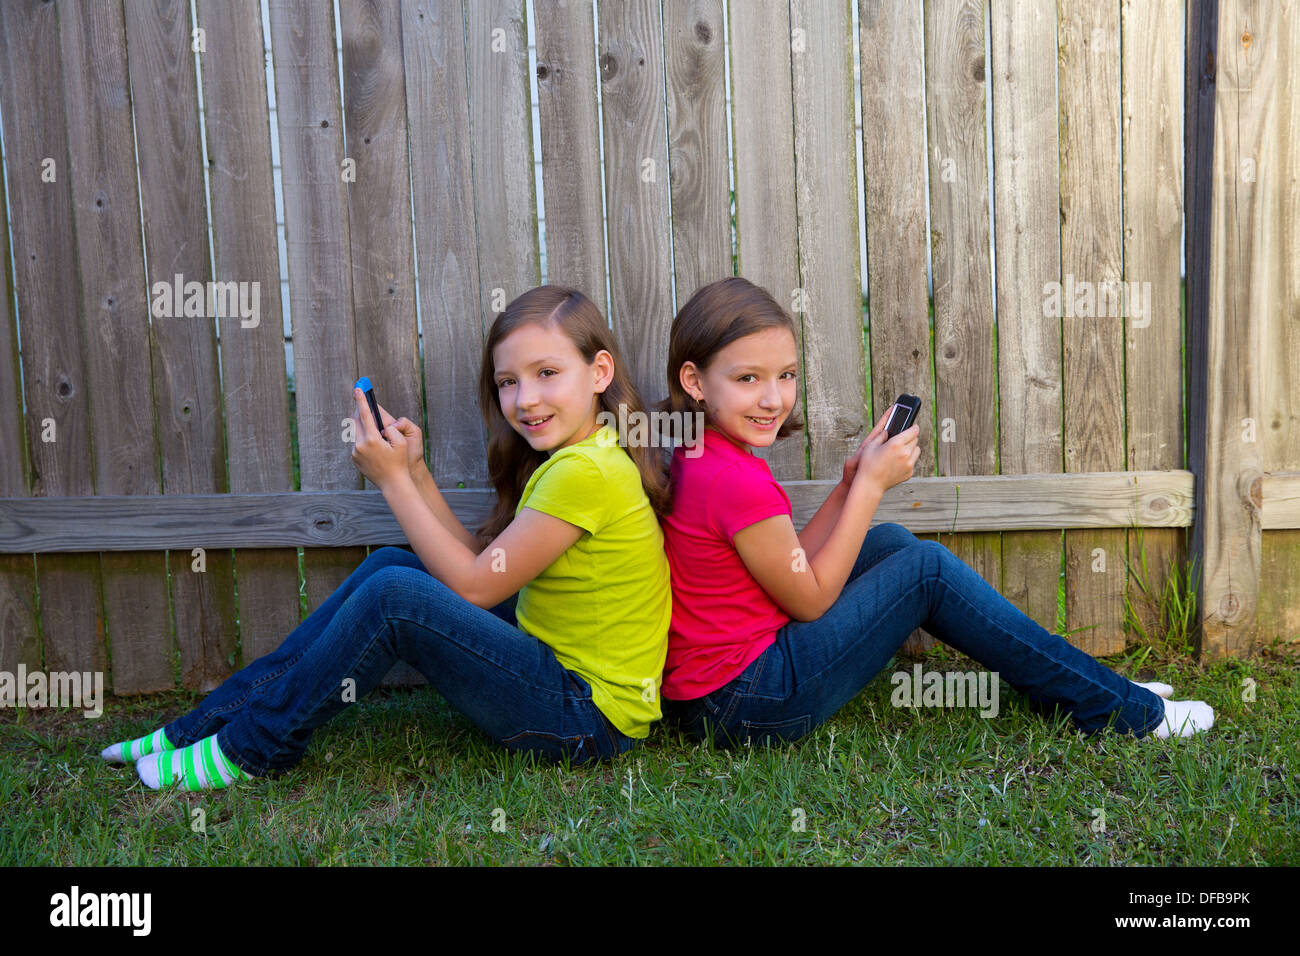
572, 489
739, 498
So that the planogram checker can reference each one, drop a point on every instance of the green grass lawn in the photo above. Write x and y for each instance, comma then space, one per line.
404, 779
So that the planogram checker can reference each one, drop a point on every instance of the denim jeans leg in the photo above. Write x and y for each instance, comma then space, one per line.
215, 709
881, 541
815, 667
969, 614
506, 681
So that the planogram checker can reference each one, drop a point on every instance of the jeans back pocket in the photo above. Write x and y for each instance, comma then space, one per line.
765, 733
577, 748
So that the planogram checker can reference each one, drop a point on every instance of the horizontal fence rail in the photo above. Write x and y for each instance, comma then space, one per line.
1156, 499
1126, 499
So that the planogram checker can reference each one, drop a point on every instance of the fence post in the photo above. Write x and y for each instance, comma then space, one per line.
1222, 358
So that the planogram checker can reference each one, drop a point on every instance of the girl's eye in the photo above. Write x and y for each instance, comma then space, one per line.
791, 374
545, 370
745, 376
504, 382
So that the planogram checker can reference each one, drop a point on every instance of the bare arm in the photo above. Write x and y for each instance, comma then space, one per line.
806, 586
814, 534
432, 497
805, 589
526, 548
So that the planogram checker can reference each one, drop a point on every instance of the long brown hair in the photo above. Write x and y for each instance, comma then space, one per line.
511, 460
714, 317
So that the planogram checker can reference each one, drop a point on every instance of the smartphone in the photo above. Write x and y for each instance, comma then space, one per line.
363, 383
902, 415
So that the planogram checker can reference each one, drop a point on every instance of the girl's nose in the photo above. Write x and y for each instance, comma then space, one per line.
525, 396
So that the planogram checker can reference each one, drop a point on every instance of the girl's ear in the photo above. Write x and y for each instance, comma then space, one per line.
690, 379
603, 364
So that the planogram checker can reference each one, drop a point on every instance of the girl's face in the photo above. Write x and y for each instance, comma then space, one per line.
750, 386
546, 389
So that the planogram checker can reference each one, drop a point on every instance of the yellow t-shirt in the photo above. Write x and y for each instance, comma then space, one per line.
603, 606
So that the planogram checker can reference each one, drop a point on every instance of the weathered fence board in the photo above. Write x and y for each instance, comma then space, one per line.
437, 104
1153, 224
1245, 227
254, 388
309, 115
965, 404
826, 198
767, 250
1026, 188
569, 121
20, 53
501, 143
1198, 190
891, 43
1091, 251
697, 145
113, 328
636, 188
379, 215
186, 390
1277, 178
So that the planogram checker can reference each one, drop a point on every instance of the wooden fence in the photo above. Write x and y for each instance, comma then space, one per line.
146, 464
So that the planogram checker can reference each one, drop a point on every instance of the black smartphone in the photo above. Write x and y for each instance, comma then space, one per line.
363, 383
902, 415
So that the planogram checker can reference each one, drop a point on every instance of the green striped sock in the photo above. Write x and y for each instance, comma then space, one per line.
129, 750
200, 766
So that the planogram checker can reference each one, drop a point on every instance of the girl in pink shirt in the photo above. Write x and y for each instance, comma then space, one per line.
774, 630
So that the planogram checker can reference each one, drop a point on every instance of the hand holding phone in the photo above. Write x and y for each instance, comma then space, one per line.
409, 430
885, 461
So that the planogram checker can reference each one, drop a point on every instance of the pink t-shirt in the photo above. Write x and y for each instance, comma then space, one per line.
722, 618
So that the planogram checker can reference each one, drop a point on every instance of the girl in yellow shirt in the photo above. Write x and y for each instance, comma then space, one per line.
573, 544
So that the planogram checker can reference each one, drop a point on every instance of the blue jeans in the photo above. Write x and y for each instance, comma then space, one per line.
813, 668
390, 608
